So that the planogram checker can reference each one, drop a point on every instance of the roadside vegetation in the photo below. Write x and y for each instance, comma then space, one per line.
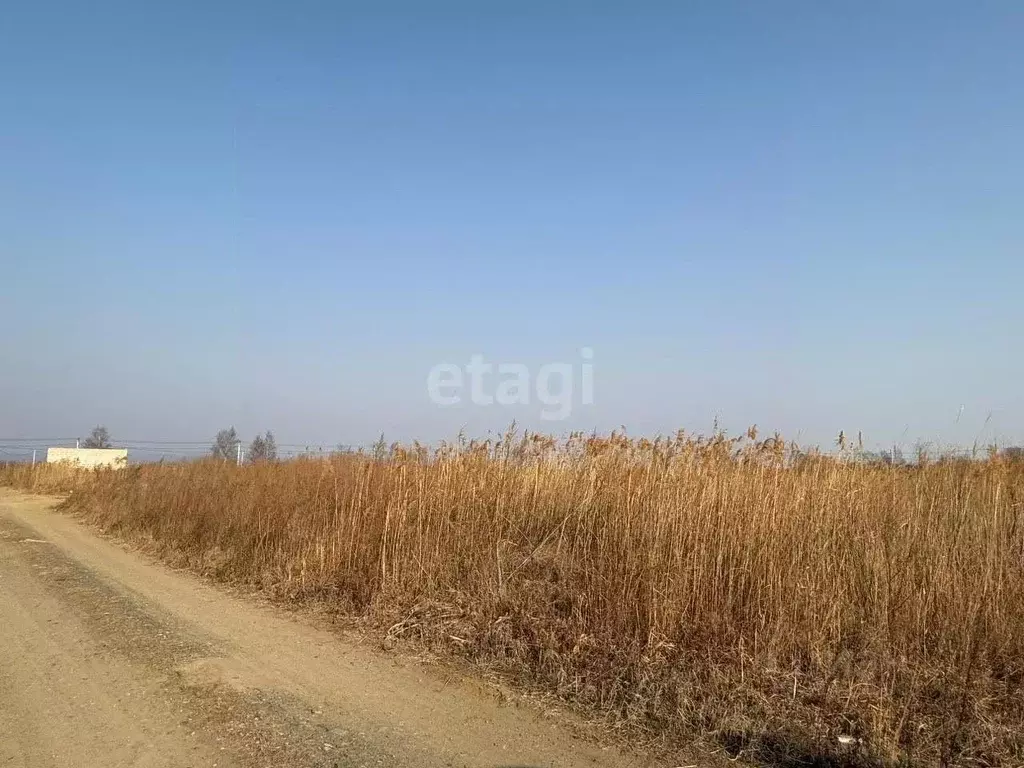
790, 607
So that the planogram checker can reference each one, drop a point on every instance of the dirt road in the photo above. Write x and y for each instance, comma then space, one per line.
108, 659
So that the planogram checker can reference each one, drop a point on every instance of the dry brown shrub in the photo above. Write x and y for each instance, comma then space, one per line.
735, 590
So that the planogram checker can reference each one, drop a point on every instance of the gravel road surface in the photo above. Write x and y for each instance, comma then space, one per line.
110, 659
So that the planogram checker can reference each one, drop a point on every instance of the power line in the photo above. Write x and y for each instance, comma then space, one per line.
37, 439
176, 444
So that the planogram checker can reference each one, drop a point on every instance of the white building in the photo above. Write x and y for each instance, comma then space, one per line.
88, 458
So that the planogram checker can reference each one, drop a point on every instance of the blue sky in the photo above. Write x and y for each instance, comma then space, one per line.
802, 215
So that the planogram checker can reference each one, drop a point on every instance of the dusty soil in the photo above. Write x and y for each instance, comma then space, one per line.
109, 659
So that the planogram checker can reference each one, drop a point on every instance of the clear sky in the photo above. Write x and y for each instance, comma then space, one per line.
280, 216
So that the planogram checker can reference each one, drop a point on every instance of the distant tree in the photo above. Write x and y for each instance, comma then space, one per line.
893, 457
225, 445
100, 438
1014, 453
262, 448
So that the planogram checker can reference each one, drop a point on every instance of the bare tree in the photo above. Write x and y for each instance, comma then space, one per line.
1014, 453
893, 457
225, 444
100, 438
262, 448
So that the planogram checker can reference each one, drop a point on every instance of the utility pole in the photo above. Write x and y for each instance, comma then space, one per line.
33, 457
239, 446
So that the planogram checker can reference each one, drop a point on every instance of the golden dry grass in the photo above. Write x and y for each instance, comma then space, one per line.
729, 590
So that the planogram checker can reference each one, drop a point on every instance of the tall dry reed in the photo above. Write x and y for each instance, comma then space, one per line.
788, 606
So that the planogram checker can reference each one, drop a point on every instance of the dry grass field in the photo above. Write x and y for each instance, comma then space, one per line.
798, 609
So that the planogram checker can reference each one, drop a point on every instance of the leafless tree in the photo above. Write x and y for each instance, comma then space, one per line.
262, 448
100, 438
1014, 453
225, 444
